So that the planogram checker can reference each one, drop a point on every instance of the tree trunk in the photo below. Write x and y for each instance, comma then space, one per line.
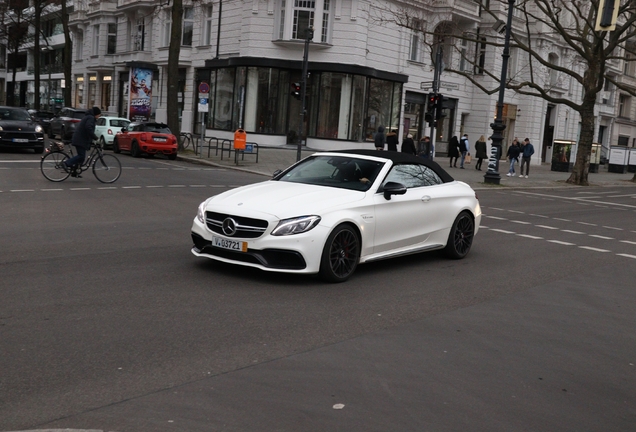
173, 68
581, 166
36, 54
68, 53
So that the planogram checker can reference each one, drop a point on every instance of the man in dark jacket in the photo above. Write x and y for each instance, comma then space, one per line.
392, 141
83, 137
408, 145
526, 153
379, 138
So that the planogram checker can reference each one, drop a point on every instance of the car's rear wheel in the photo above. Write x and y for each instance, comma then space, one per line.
134, 150
172, 156
38, 150
102, 142
116, 146
340, 254
460, 238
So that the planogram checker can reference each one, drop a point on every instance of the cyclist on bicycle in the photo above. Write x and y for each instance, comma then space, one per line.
83, 137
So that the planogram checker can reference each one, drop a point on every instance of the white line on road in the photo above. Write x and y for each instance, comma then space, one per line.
176, 186
577, 199
530, 236
594, 249
495, 217
587, 223
48, 190
562, 242
196, 186
156, 186
22, 190
546, 227
82, 188
601, 237
627, 256
503, 231
521, 222
628, 242
613, 228
516, 211
107, 188
563, 220
541, 216
131, 187
572, 232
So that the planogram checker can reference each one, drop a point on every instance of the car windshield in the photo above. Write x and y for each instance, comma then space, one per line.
14, 114
119, 123
157, 128
335, 171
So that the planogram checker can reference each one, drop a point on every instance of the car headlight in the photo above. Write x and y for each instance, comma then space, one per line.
295, 225
201, 212
38, 129
1, 128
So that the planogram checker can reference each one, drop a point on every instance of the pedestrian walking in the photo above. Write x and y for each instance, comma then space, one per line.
379, 138
392, 141
453, 150
513, 156
425, 148
526, 153
480, 152
408, 145
464, 148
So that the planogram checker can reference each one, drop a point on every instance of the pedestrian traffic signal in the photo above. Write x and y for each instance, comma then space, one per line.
296, 90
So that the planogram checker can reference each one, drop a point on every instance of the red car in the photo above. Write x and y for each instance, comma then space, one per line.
149, 138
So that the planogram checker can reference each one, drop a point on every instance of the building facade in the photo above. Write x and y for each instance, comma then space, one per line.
365, 71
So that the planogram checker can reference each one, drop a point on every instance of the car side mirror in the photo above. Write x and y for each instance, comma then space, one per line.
276, 173
124, 129
393, 188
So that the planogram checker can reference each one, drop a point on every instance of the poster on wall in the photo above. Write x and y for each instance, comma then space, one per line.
140, 95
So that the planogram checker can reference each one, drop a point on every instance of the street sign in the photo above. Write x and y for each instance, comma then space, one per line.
203, 105
449, 85
204, 87
424, 85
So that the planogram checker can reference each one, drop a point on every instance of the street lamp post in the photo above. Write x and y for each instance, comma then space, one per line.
303, 91
492, 175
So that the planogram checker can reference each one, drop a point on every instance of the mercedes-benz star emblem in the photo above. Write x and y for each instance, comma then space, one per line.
229, 227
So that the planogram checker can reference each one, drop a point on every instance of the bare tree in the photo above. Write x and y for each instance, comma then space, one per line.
566, 25
16, 32
68, 53
174, 52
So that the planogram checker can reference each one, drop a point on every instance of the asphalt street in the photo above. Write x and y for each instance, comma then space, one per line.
109, 323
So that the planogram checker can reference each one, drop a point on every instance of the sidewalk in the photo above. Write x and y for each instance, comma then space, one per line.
272, 158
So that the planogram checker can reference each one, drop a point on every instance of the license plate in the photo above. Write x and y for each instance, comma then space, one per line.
20, 140
229, 244
161, 139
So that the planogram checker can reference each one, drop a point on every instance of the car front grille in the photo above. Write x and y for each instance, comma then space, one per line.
10, 135
245, 227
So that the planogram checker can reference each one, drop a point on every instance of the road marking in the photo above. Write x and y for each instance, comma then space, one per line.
197, 186
562, 242
503, 231
587, 223
483, 226
627, 256
157, 186
601, 237
622, 196
530, 236
573, 232
131, 187
521, 222
83, 188
628, 242
564, 220
48, 190
516, 211
107, 188
594, 249
22, 190
497, 208
577, 199
541, 216
176, 186
495, 217
613, 228
546, 227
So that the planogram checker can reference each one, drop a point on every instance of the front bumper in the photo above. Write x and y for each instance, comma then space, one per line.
298, 253
31, 141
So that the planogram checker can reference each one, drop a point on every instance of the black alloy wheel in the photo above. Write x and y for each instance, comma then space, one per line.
116, 146
460, 238
134, 150
340, 255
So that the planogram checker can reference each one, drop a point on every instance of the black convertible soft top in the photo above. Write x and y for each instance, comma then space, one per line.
398, 158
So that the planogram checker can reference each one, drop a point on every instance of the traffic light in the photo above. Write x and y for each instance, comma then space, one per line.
441, 104
430, 107
296, 90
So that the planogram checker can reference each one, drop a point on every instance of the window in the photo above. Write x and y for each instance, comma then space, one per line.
623, 140
481, 56
512, 63
79, 46
297, 15
629, 68
188, 26
553, 74
139, 36
187, 30
624, 106
415, 49
112, 38
207, 26
96, 39
413, 175
3, 56
463, 61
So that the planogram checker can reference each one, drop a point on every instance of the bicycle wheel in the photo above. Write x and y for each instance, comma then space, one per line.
52, 167
106, 168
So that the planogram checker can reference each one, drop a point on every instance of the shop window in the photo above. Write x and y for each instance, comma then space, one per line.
334, 105
224, 99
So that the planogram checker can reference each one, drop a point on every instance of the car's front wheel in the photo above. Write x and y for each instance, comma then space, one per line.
340, 254
460, 238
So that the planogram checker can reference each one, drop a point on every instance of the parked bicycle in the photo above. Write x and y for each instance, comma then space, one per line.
106, 167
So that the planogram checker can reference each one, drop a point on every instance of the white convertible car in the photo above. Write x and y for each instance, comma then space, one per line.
334, 210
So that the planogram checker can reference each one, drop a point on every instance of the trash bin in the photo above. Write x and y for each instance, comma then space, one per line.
240, 137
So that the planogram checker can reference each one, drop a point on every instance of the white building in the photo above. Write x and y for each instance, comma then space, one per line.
365, 72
